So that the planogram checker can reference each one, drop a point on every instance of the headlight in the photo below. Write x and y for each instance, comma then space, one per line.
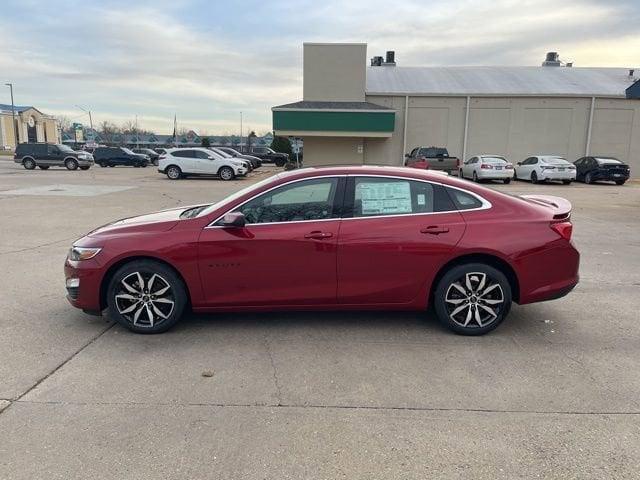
83, 253
238, 164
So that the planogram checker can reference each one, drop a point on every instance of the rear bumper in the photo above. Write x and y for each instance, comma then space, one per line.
549, 273
566, 175
494, 174
611, 176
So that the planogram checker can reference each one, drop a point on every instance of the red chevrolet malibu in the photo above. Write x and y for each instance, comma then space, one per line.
340, 238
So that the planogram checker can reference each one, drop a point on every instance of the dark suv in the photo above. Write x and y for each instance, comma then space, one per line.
153, 156
112, 156
45, 155
265, 154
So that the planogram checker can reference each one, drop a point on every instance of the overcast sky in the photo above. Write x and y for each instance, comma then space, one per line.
208, 60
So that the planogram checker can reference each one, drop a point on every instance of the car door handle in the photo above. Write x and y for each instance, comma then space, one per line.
318, 235
435, 229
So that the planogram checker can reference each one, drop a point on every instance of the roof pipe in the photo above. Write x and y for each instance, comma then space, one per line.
466, 129
404, 130
590, 127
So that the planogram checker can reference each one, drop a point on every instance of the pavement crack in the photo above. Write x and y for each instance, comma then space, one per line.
275, 372
58, 367
35, 247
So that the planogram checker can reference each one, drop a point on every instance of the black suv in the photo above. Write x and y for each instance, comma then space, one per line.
112, 156
153, 156
265, 154
45, 155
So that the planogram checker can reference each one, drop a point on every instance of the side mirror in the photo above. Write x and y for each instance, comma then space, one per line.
234, 219
519, 163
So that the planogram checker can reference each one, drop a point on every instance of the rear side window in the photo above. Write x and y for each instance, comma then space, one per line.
391, 196
463, 200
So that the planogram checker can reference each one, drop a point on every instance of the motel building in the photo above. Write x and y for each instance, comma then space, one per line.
32, 126
360, 111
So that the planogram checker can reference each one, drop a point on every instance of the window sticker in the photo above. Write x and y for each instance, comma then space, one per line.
422, 200
384, 198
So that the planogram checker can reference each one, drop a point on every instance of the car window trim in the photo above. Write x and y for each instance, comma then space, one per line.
486, 204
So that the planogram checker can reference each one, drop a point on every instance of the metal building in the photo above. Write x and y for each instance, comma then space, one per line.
355, 113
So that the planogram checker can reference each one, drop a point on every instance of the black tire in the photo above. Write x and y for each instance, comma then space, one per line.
71, 164
534, 177
173, 172
143, 165
279, 162
84, 168
226, 173
445, 290
507, 181
566, 182
103, 164
43, 167
620, 182
29, 163
588, 179
170, 303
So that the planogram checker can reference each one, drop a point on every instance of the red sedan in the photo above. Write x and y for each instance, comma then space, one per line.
333, 239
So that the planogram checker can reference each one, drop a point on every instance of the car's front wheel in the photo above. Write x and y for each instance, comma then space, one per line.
472, 299
226, 173
146, 297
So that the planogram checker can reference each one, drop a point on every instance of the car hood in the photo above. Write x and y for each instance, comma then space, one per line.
151, 222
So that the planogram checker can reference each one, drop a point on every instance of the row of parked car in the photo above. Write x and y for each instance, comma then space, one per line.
537, 169
226, 162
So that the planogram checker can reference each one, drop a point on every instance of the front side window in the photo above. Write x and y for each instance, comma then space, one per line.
201, 154
391, 196
299, 201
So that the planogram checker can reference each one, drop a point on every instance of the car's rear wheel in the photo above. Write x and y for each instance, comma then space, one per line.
71, 164
507, 180
146, 297
103, 164
43, 167
29, 163
472, 299
226, 173
173, 172
279, 162
566, 182
588, 178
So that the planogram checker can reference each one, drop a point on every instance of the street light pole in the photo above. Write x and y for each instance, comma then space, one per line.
89, 112
240, 129
13, 114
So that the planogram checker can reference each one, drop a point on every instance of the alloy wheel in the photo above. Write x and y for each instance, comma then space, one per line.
144, 299
173, 173
226, 173
475, 300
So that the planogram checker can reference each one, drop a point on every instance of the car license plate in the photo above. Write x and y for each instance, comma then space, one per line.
617, 174
561, 169
498, 168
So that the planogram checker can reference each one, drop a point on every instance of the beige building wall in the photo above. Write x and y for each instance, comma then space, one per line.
320, 151
46, 128
334, 72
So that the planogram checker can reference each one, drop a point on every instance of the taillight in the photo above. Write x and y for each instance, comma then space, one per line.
548, 168
486, 167
508, 166
564, 229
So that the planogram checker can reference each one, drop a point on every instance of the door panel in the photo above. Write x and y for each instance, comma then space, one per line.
269, 264
389, 259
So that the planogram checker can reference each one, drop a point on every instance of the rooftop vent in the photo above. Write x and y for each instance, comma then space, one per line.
376, 61
631, 72
388, 61
552, 60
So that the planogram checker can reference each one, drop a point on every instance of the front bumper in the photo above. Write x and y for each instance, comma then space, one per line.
83, 162
82, 281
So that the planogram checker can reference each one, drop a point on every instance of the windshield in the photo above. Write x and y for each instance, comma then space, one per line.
494, 160
610, 161
556, 161
65, 148
221, 152
126, 150
231, 151
237, 195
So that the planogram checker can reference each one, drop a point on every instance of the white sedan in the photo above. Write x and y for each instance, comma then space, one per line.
546, 167
180, 162
487, 167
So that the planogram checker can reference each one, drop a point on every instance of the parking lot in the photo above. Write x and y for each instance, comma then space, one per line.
554, 392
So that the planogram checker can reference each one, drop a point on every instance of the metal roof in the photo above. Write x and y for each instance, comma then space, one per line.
499, 81
19, 108
341, 106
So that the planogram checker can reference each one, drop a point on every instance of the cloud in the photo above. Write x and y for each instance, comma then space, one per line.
207, 61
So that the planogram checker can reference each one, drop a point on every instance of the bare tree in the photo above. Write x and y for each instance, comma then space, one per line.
108, 130
63, 121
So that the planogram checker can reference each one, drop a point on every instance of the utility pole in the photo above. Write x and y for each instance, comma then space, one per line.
240, 129
89, 112
13, 113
